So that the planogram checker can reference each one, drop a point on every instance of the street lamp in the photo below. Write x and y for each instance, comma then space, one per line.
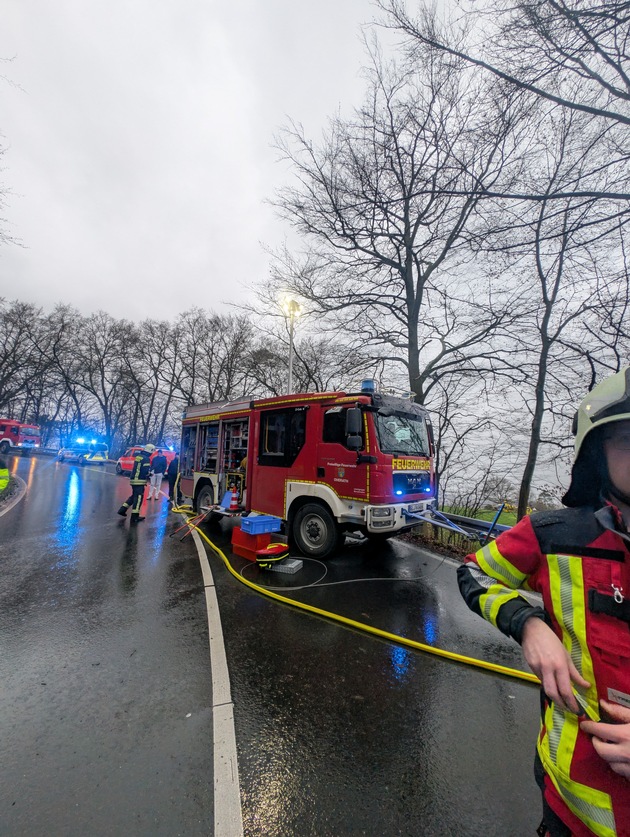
292, 309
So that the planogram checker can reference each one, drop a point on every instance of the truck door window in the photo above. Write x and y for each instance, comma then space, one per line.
335, 426
282, 436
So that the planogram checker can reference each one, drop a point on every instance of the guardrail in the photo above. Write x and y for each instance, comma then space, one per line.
476, 525
467, 527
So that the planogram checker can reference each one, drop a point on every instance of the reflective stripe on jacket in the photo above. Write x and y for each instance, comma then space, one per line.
140, 469
576, 559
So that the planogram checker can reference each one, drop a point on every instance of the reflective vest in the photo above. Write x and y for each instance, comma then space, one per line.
579, 561
140, 469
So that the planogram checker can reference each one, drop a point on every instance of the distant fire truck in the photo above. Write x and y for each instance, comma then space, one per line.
19, 436
325, 463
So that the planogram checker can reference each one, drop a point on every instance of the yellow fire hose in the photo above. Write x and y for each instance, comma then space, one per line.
360, 626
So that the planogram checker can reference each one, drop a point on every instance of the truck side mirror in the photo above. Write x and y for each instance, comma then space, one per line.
354, 421
354, 426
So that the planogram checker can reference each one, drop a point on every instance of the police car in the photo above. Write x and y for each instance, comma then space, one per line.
84, 453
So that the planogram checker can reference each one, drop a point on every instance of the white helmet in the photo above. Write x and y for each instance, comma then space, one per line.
149, 448
606, 403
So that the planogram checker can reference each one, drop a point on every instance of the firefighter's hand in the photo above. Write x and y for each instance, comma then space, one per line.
612, 741
549, 660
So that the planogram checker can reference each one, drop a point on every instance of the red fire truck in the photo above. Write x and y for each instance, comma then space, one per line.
325, 463
19, 436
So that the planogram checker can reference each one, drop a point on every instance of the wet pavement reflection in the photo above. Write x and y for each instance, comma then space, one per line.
107, 724
340, 732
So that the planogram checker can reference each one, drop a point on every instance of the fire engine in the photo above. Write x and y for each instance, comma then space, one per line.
15, 434
326, 463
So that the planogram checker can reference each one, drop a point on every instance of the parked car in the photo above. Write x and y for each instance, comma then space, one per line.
85, 453
125, 462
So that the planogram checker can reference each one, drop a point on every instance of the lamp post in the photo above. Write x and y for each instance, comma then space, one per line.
292, 309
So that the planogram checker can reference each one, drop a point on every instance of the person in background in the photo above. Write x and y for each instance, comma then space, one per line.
138, 480
578, 642
171, 474
158, 469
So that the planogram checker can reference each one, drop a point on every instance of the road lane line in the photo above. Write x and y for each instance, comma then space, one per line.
228, 818
15, 500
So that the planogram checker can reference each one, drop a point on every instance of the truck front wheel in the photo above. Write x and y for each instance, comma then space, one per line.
4, 447
315, 531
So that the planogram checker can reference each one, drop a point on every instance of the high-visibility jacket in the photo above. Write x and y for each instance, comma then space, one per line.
140, 469
579, 561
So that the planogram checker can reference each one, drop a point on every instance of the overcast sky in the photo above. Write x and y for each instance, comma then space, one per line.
138, 142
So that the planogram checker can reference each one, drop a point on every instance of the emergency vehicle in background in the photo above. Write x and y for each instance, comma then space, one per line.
125, 462
19, 436
325, 463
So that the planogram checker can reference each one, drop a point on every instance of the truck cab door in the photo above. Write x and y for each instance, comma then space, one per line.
338, 464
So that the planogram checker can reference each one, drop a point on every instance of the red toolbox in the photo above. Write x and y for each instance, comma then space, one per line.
247, 545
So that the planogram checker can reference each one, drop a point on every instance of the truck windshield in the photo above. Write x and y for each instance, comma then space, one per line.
30, 431
402, 434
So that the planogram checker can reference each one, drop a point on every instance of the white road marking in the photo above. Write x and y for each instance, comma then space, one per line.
10, 503
228, 818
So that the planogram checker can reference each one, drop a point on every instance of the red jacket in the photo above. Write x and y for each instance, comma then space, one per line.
579, 561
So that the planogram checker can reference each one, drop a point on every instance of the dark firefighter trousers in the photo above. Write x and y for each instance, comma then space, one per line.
135, 501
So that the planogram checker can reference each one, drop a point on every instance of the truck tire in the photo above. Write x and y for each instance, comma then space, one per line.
315, 531
4, 447
205, 499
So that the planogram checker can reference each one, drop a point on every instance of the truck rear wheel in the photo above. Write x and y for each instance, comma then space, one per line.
315, 531
205, 499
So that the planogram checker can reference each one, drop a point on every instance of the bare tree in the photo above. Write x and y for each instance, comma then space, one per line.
373, 199
20, 358
559, 238
571, 54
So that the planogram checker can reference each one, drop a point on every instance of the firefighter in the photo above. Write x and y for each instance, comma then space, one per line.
578, 642
171, 474
138, 480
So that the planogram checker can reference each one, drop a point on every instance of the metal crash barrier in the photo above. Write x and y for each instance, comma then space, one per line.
467, 527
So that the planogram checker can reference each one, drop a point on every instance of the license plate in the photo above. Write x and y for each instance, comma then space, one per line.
414, 507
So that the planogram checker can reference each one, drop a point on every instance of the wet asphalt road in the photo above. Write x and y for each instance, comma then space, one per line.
106, 720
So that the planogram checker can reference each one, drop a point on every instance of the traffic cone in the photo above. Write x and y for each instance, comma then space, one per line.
234, 500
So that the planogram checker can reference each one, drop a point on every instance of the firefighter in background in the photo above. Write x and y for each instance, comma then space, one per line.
171, 474
138, 480
578, 643
158, 468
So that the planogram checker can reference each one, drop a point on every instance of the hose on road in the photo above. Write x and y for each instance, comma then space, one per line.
360, 626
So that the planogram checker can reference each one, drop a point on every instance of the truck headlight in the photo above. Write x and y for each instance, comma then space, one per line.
382, 512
